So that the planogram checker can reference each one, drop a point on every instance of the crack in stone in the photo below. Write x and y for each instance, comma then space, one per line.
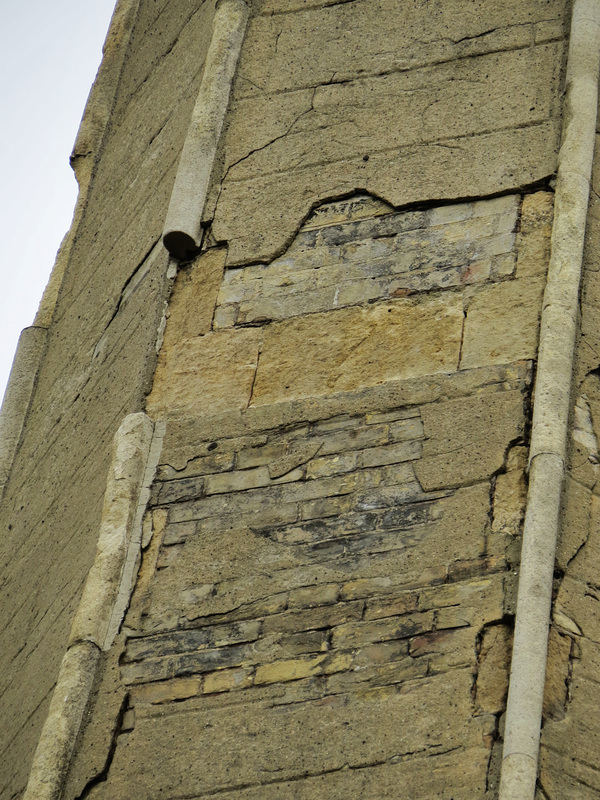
102, 776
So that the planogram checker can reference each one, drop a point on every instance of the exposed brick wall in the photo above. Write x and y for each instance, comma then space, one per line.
302, 569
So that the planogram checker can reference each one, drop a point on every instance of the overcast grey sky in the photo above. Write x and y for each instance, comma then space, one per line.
49, 54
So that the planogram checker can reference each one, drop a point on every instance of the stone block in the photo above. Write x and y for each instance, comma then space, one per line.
353, 436
226, 680
404, 429
466, 440
533, 241
578, 511
502, 323
576, 609
237, 481
213, 636
281, 671
356, 634
380, 607
510, 497
319, 509
576, 734
391, 454
167, 691
313, 596
484, 593
585, 519
370, 669
318, 355
557, 675
563, 775
332, 465
193, 299
313, 619
493, 669
445, 649
178, 490
207, 374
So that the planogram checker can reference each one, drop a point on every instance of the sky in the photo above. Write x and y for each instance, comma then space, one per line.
50, 51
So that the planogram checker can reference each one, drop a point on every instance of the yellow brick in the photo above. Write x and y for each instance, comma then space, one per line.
291, 670
167, 691
225, 680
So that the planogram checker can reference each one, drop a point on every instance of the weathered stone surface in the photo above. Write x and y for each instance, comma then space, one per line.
510, 494
356, 40
213, 372
533, 241
576, 608
325, 738
584, 563
576, 520
467, 440
563, 775
493, 669
557, 675
576, 735
321, 354
193, 299
502, 323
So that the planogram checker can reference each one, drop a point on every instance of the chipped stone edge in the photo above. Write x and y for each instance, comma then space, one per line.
182, 235
106, 594
551, 408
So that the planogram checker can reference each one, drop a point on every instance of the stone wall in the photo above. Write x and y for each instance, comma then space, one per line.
98, 367
340, 542
325, 602
310, 579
